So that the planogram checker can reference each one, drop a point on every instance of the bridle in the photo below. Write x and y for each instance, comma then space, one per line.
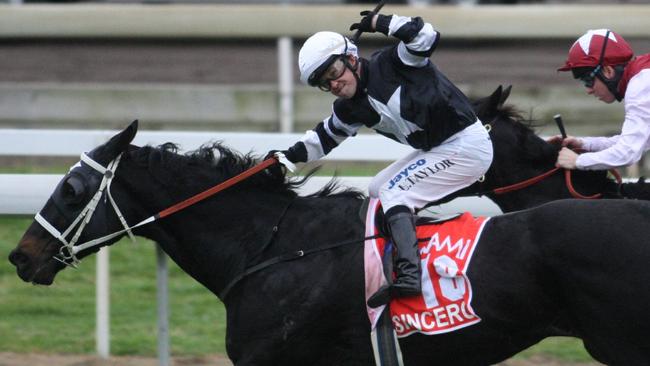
69, 249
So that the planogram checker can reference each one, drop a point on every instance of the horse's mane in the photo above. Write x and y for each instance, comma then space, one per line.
516, 117
215, 162
533, 147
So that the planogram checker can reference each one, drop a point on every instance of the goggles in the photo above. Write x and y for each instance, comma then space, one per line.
334, 72
331, 70
589, 79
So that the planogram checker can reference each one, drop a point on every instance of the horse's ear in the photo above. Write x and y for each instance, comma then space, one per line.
125, 137
504, 95
120, 142
488, 108
495, 97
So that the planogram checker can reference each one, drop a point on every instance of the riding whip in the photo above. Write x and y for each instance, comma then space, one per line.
560, 125
357, 34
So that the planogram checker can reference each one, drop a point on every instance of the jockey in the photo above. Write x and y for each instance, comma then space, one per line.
604, 62
400, 94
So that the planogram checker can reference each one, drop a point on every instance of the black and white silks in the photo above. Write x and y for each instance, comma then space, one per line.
401, 95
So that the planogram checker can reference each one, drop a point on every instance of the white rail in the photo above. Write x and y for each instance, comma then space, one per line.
46, 142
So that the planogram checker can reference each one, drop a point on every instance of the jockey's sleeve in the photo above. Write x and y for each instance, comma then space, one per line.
327, 135
418, 39
628, 147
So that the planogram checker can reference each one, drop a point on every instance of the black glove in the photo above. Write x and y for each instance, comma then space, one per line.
365, 25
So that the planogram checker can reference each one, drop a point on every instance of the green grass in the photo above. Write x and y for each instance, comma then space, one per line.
563, 348
61, 318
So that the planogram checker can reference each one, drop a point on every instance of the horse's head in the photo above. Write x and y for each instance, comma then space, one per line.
77, 212
516, 146
520, 154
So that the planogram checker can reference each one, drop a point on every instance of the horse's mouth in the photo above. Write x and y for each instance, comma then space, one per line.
42, 274
34, 262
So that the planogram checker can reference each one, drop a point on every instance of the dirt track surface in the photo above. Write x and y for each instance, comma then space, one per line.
14, 359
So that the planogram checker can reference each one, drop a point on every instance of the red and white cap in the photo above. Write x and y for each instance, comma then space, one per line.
586, 51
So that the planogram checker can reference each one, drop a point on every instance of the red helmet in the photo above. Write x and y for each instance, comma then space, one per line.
587, 51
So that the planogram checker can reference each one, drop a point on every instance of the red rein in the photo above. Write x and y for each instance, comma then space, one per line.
268, 162
567, 179
218, 188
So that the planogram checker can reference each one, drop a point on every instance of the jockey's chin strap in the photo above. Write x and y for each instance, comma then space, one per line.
68, 252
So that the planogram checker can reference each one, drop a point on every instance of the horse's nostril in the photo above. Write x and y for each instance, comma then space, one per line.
17, 258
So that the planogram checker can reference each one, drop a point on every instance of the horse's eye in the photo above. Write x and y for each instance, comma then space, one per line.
73, 190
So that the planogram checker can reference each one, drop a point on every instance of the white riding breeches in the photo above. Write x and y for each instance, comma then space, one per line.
422, 177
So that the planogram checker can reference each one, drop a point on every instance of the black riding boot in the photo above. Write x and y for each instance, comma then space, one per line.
401, 224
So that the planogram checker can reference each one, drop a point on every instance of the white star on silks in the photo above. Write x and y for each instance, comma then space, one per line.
392, 121
585, 41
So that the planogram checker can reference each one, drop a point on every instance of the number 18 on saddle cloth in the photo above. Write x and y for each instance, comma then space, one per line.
445, 251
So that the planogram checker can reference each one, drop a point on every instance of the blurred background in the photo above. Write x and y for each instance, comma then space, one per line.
215, 65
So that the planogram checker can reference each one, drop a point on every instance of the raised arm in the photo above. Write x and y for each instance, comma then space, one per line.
418, 38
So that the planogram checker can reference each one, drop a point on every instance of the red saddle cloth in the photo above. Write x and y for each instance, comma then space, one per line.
445, 251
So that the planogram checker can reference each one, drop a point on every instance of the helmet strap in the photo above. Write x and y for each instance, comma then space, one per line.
354, 69
611, 83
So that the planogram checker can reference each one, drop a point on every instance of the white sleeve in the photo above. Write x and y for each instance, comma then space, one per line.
628, 147
326, 136
598, 143
418, 39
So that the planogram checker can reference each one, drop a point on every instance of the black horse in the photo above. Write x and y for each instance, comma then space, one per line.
568, 267
520, 154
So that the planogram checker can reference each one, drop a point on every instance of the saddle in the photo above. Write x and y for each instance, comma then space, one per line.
446, 247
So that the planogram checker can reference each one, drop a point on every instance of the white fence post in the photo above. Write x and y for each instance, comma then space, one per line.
102, 295
163, 307
285, 83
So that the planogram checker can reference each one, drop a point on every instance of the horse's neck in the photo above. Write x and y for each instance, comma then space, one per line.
219, 239
214, 240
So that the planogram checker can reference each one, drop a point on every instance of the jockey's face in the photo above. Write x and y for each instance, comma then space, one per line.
600, 90
346, 85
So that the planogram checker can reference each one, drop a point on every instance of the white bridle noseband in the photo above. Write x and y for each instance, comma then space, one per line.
70, 258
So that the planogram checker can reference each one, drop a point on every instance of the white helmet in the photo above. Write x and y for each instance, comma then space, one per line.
319, 49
